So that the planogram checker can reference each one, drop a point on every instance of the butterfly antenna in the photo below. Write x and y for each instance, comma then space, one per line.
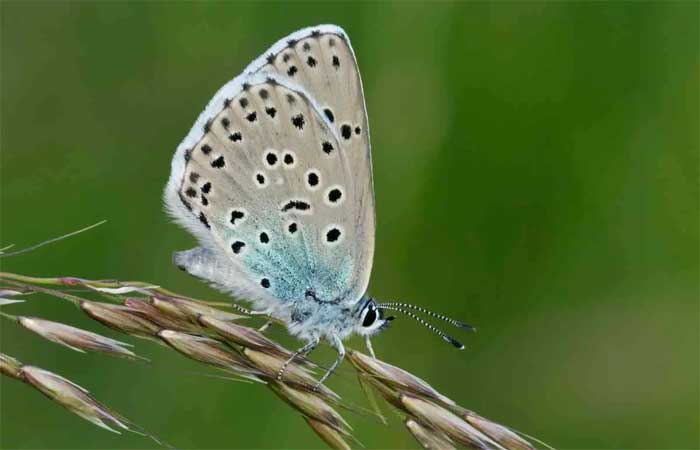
452, 322
444, 336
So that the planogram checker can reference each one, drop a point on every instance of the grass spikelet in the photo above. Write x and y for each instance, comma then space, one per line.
445, 421
329, 435
244, 336
498, 433
74, 398
149, 312
294, 375
75, 338
10, 367
311, 405
427, 438
395, 378
190, 310
120, 318
210, 351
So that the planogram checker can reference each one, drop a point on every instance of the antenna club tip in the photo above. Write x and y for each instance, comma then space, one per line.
454, 342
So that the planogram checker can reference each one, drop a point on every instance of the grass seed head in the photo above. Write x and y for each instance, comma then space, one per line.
428, 438
209, 351
439, 418
395, 377
76, 338
507, 438
190, 310
10, 367
311, 405
294, 374
244, 336
157, 316
75, 399
329, 435
120, 318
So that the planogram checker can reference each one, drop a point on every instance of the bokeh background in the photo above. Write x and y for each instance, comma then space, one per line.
536, 174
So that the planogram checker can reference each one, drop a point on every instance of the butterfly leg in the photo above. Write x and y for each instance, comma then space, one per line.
370, 349
305, 350
341, 355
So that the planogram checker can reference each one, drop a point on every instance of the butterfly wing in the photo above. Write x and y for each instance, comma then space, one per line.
271, 182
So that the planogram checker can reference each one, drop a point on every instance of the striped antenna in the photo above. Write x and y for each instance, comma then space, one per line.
444, 336
453, 322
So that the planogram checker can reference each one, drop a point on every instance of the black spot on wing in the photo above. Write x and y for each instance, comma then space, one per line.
243, 102
236, 215
299, 205
237, 246
206, 149
218, 163
206, 187
298, 121
346, 131
327, 147
312, 179
235, 137
329, 115
271, 111
333, 235
334, 195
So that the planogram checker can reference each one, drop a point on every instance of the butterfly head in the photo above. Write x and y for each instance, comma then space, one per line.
371, 319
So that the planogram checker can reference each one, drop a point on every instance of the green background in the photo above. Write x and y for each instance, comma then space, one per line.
536, 174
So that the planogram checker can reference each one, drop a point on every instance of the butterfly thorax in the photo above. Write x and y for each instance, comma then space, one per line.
309, 319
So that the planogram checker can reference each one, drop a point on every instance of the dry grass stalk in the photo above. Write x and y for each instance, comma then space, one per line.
208, 335
434, 420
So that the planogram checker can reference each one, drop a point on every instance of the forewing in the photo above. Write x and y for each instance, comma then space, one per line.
271, 179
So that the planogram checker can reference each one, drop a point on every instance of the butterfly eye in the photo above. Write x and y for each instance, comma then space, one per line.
370, 317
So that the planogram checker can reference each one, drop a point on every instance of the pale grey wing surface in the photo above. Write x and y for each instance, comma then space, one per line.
269, 188
316, 67
321, 61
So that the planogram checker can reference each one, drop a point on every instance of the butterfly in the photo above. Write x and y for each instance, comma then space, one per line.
275, 181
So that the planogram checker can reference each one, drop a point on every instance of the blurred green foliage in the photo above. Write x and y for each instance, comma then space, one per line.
536, 174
